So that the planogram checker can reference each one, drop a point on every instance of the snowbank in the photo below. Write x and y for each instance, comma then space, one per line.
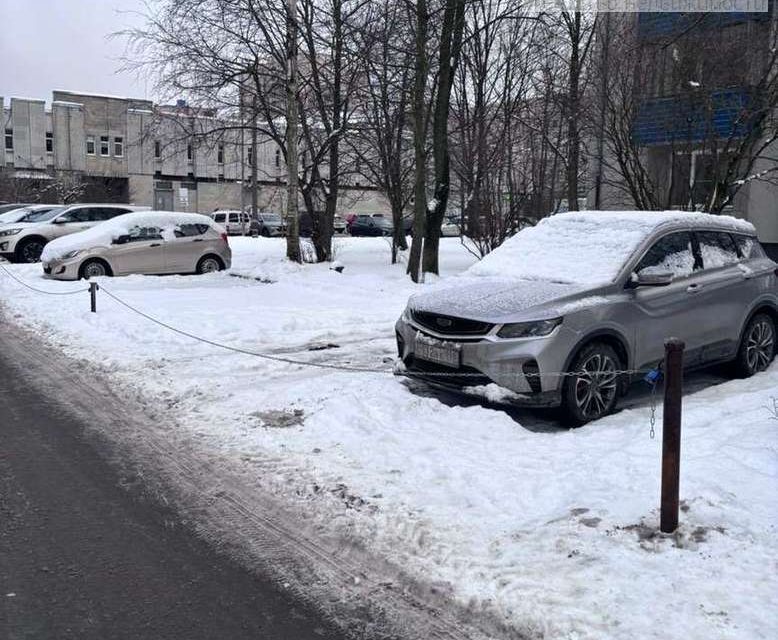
103, 234
557, 247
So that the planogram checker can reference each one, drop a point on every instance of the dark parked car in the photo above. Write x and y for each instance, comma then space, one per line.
371, 225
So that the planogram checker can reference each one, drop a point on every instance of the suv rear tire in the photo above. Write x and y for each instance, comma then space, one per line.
757, 346
593, 393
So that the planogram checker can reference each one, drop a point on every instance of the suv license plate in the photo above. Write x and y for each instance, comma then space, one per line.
440, 354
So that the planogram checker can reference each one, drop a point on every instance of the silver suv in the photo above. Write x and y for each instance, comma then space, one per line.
24, 241
569, 312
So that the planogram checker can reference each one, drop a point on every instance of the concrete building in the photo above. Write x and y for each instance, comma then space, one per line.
102, 148
697, 78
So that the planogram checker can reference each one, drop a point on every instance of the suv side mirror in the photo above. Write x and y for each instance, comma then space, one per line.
61, 220
643, 279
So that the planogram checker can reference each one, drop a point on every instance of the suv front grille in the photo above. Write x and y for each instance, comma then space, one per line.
450, 326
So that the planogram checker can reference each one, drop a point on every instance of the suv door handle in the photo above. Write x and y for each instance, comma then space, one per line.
197, 240
156, 244
694, 288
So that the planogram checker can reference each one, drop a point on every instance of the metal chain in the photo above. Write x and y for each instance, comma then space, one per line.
31, 288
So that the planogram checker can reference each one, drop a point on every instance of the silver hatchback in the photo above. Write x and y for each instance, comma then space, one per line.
149, 242
569, 312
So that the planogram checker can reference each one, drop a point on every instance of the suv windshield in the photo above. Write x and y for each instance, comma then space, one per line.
570, 248
42, 216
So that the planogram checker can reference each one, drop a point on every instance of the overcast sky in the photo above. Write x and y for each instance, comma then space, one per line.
63, 44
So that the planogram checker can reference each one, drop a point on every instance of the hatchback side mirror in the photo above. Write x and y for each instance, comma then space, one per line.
644, 279
121, 240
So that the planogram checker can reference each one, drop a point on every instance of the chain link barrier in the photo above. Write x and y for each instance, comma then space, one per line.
31, 288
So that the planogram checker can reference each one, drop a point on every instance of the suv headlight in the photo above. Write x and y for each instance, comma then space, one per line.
10, 232
529, 329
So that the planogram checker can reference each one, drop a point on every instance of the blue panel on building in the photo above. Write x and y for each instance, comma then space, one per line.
659, 24
681, 119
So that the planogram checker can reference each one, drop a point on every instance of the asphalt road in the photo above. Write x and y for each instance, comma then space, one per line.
81, 557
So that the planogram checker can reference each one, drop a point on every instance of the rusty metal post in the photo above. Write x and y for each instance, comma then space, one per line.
93, 295
671, 434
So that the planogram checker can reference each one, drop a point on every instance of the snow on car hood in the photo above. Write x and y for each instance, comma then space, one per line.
103, 234
491, 299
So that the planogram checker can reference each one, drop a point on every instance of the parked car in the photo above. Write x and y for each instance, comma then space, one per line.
269, 224
5, 208
148, 242
569, 312
24, 241
29, 213
450, 228
236, 223
371, 225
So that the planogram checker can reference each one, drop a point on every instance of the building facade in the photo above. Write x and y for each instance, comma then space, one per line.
89, 147
699, 82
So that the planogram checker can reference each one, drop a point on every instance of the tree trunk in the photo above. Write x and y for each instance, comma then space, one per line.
450, 45
419, 140
573, 126
292, 216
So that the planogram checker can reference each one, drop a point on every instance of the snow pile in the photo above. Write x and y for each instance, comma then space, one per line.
103, 234
554, 531
588, 248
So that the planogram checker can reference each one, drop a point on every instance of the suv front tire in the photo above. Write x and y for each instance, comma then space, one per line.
591, 387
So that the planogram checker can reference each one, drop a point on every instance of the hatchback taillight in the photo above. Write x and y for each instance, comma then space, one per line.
225, 238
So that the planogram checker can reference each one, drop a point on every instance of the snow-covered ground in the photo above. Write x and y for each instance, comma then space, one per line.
551, 529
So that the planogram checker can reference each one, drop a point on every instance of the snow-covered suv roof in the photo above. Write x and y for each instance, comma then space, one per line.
589, 247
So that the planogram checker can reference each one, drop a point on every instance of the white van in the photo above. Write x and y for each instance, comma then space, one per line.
235, 222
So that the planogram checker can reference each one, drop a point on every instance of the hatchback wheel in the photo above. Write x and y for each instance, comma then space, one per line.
94, 269
30, 251
757, 348
208, 264
591, 387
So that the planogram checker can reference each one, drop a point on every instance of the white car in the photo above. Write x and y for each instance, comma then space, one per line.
24, 241
29, 213
449, 229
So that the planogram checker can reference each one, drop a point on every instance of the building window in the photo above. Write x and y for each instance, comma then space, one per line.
221, 177
118, 147
220, 154
104, 150
157, 150
90, 145
278, 157
9, 139
189, 152
49, 142
251, 155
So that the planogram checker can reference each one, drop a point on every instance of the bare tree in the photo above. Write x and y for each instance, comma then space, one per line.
380, 141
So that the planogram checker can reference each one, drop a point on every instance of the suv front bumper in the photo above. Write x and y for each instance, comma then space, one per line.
528, 367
